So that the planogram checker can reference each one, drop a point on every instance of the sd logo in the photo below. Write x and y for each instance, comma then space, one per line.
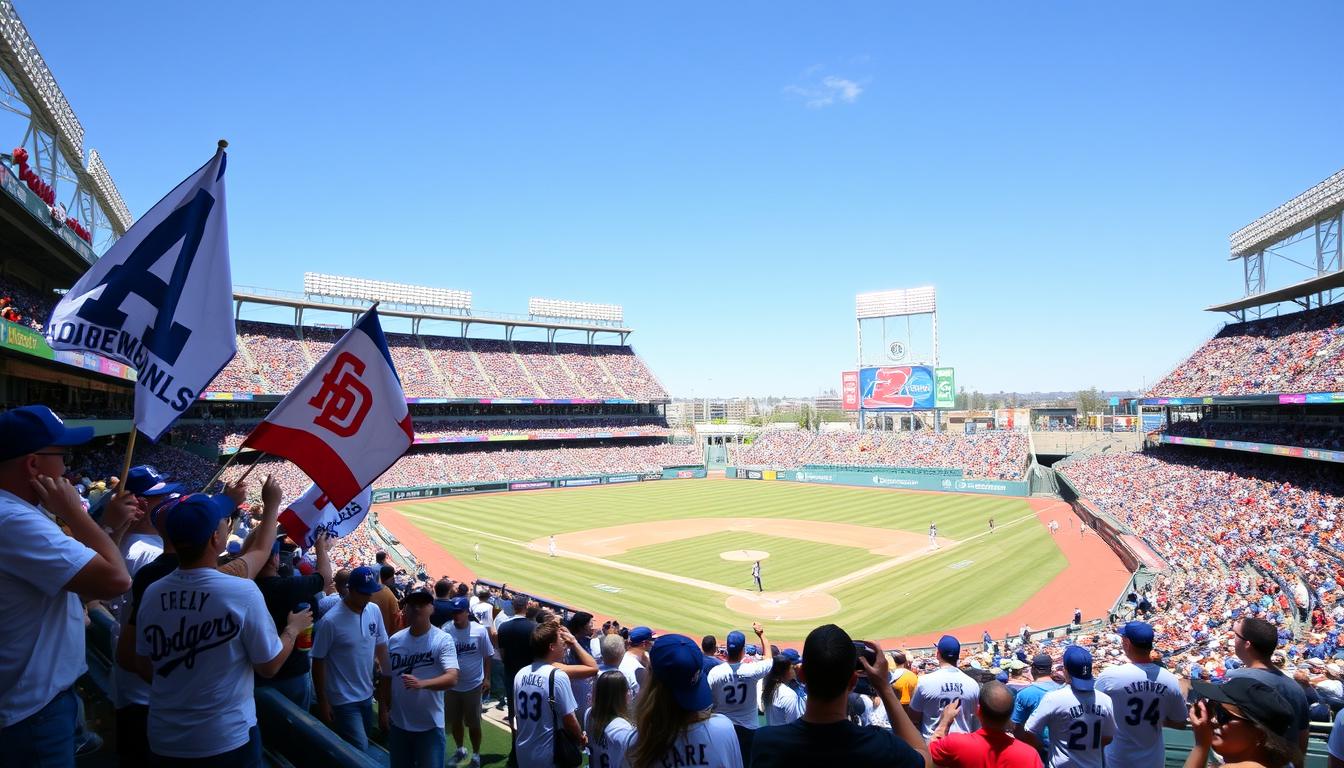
343, 398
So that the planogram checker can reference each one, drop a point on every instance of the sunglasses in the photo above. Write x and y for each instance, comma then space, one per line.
1223, 717
66, 456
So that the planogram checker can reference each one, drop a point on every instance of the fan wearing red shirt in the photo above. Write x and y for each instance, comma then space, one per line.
991, 746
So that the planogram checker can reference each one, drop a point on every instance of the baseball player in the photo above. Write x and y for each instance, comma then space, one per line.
756, 574
552, 545
1148, 696
940, 688
734, 685
1080, 719
476, 550
933, 536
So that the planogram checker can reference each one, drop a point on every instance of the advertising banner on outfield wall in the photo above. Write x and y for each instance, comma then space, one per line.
896, 388
530, 485
625, 479
576, 482
849, 390
913, 479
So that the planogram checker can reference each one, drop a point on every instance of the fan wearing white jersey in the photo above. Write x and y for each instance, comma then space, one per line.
1080, 719
1147, 697
543, 700
735, 684
940, 688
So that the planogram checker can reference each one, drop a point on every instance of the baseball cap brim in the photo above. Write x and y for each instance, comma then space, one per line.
1079, 684
73, 436
694, 698
162, 489
1210, 691
367, 589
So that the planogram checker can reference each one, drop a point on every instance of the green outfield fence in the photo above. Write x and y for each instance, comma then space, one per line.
908, 478
381, 495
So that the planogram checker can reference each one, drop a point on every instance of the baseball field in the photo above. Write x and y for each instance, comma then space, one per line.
678, 555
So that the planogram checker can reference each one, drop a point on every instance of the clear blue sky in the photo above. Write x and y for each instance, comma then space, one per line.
733, 173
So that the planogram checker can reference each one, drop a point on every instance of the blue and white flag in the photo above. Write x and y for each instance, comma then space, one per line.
160, 300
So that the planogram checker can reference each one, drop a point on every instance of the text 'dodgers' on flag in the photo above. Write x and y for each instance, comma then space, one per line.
160, 300
346, 422
312, 513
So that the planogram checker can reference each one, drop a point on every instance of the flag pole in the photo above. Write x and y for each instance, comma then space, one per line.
251, 467
126, 466
206, 488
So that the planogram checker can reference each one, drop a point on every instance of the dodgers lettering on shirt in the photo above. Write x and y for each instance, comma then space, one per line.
202, 631
1146, 696
940, 688
535, 719
1080, 723
711, 742
425, 657
735, 686
472, 645
347, 641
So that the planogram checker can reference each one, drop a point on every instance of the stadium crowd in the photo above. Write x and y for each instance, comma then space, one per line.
1300, 352
990, 455
1326, 436
20, 303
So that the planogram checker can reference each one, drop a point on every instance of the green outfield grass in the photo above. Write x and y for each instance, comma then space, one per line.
984, 577
793, 563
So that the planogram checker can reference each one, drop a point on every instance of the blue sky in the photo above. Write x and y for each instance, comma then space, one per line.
1066, 174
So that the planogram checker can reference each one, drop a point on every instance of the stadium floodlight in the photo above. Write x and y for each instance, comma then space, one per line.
1290, 217
341, 287
579, 310
25, 64
108, 194
907, 301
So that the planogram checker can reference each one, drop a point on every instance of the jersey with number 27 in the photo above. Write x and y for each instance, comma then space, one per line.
734, 686
1080, 723
1144, 695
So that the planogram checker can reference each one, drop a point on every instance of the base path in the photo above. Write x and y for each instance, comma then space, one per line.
618, 539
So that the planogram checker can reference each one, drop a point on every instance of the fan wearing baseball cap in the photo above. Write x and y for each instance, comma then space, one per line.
673, 724
734, 684
1148, 697
42, 649
1246, 722
939, 687
1080, 718
347, 642
204, 633
424, 665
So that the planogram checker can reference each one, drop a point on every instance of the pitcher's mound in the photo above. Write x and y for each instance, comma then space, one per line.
751, 555
784, 606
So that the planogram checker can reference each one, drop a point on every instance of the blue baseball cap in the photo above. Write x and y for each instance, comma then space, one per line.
677, 662
364, 580
193, 519
949, 647
1078, 663
641, 635
736, 641
752, 650
30, 427
458, 604
144, 480
793, 656
1139, 633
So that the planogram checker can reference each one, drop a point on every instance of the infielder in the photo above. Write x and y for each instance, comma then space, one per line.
1081, 720
756, 574
552, 545
933, 536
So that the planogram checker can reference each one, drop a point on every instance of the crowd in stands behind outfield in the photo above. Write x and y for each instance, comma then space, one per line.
25, 305
1330, 437
1301, 352
990, 455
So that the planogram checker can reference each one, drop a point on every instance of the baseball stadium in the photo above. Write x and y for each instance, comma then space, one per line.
545, 459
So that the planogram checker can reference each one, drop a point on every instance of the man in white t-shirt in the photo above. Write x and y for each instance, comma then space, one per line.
1080, 719
942, 686
635, 665
346, 643
1147, 696
424, 665
45, 572
735, 684
203, 634
462, 702
543, 701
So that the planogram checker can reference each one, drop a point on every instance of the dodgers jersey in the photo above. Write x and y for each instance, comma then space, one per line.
1080, 723
938, 689
1146, 696
425, 657
735, 687
711, 743
536, 719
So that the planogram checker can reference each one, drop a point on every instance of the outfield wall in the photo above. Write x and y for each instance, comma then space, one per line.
1132, 550
911, 478
381, 495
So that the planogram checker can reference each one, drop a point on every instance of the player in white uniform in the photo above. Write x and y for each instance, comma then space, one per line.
543, 699
933, 536
1080, 719
938, 689
1147, 697
734, 685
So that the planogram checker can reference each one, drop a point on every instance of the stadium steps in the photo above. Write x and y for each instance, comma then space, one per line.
616, 385
578, 385
303, 345
518, 360
480, 368
434, 366
251, 361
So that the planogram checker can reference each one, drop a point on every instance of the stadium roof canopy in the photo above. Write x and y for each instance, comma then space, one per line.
1294, 292
1321, 201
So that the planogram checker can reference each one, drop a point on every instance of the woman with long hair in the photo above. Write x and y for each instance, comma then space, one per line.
1244, 721
673, 717
782, 703
608, 721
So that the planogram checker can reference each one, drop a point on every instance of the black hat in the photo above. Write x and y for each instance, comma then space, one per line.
422, 596
1257, 701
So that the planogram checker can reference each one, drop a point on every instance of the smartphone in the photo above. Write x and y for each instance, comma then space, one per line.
865, 652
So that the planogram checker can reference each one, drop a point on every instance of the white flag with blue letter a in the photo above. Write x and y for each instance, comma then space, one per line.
160, 300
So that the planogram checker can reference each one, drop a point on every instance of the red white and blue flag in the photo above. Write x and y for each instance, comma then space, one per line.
347, 421
311, 514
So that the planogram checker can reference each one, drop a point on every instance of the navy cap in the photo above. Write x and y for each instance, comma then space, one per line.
30, 427
1139, 633
458, 604
736, 641
193, 519
677, 662
949, 647
420, 595
752, 650
793, 656
1078, 663
641, 635
144, 480
1042, 662
364, 581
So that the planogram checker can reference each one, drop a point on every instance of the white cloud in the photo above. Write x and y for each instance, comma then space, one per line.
824, 92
